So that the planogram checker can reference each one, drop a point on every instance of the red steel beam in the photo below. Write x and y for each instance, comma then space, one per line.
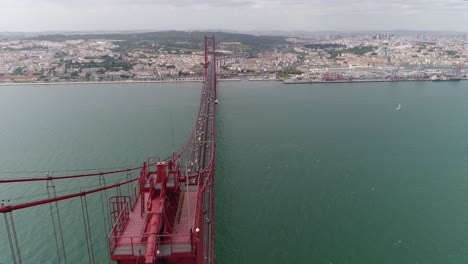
9, 208
67, 176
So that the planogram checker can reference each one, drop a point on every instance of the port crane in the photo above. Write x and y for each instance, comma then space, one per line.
456, 69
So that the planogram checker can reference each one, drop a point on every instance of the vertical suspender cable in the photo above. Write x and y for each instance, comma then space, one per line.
107, 204
89, 229
59, 221
55, 233
16, 238
7, 225
86, 229
104, 215
60, 231
119, 191
50, 184
129, 175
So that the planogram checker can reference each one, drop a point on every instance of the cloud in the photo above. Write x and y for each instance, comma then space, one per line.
234, 14
364, 5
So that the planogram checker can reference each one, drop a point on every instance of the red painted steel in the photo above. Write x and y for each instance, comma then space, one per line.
163, 218
155, 220
48, 178
9, 208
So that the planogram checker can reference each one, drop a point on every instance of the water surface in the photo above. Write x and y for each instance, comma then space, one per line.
322, 173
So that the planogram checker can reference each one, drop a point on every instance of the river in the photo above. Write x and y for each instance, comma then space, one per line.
313, 173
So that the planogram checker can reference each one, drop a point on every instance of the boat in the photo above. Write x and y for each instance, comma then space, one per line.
297, 81
256, 79
436, 78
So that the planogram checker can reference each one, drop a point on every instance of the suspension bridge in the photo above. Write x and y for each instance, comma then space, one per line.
167, 215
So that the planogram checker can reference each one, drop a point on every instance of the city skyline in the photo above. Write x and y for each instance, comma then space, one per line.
239, 15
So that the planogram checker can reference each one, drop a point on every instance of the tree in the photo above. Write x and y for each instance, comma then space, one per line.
60, 54
18, 71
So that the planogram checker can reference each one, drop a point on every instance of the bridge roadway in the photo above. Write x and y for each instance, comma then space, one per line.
201, 165
202, 160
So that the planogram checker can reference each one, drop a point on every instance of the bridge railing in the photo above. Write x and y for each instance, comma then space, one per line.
134, 195
177, 243
135, 245
127, 246
208, 173
119, 227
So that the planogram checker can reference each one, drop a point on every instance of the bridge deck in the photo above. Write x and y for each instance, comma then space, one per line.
130, 242
133, 233
193, 203
185, 216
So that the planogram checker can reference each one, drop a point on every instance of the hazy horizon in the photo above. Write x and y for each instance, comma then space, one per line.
233, 15
272, 32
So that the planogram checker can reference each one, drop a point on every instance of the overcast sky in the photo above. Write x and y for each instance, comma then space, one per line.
311, 15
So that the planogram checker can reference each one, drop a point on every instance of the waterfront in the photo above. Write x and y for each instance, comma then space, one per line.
322, 173
332, 173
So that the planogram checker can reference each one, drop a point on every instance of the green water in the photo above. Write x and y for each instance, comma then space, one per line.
66, 127
323, 173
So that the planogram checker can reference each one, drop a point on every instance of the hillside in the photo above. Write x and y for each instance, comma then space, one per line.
175, 39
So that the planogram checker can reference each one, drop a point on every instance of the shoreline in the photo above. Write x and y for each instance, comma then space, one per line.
287, 82
365, 81
98, 82
119, 82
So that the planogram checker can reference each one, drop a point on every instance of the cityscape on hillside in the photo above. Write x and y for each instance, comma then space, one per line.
178, 56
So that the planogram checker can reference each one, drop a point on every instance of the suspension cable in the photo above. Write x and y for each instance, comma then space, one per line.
60, 229
62, 171
7, 225
9, 208
119, 191
129, 175
107, 206
66, 176
86, 229
102, 183
53, 194
50, 184
105, 216
15, 237
89, 228
59, 192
